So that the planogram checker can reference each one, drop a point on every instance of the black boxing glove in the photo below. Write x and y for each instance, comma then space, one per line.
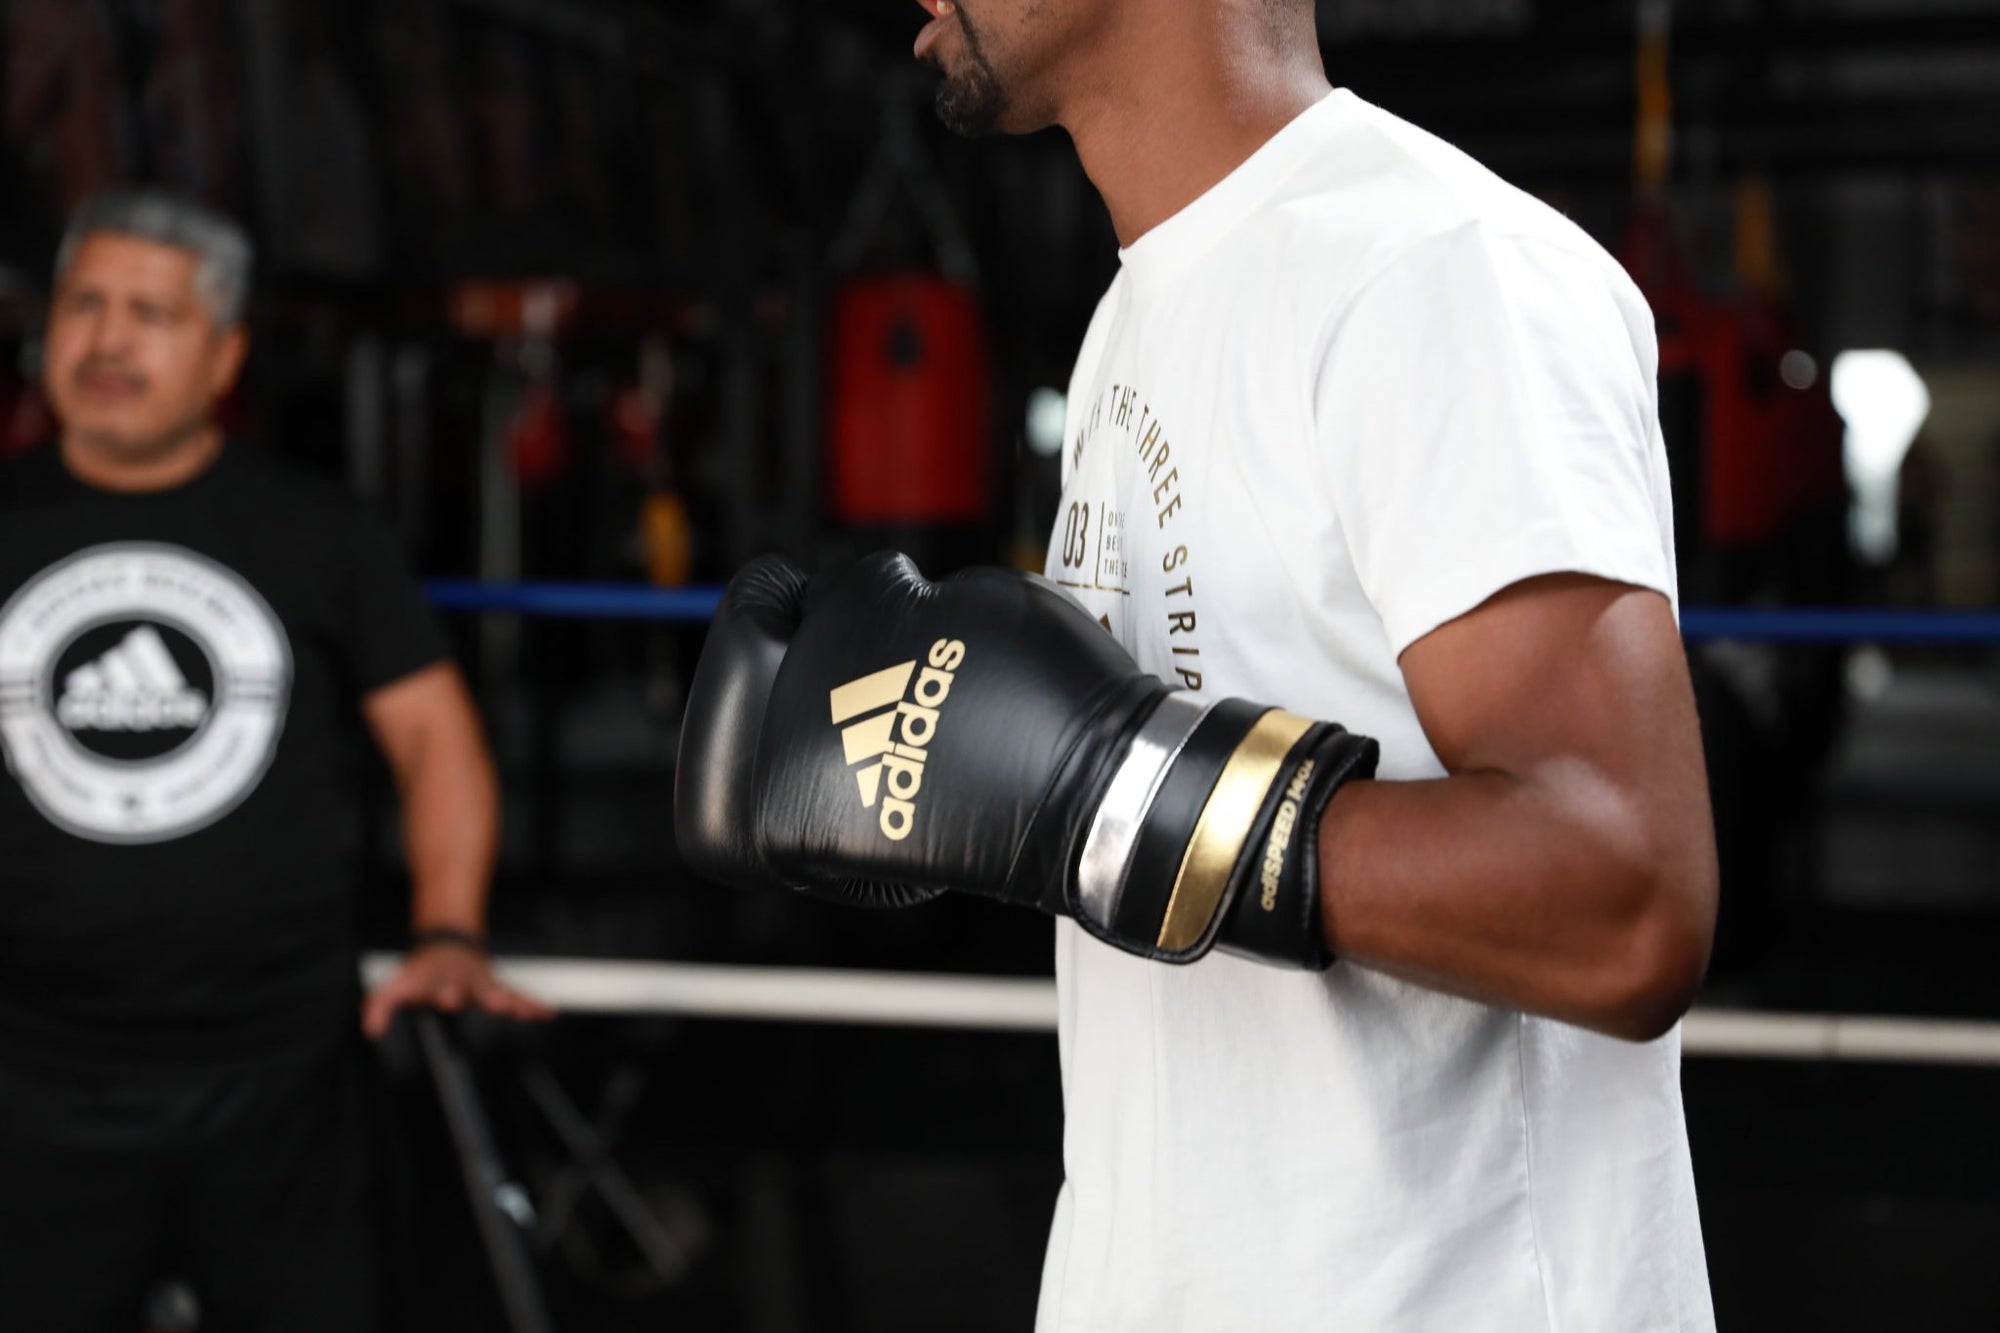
879, 738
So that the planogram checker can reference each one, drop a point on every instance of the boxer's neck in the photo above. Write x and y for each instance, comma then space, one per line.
1182, 114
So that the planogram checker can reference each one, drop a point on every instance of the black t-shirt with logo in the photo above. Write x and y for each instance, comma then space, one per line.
179, 676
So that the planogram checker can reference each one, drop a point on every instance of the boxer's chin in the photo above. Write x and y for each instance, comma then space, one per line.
970, 103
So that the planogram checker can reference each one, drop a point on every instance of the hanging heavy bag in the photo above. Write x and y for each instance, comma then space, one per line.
910, 406
909, 401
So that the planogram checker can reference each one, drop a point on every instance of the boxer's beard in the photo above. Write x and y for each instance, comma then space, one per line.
970, 101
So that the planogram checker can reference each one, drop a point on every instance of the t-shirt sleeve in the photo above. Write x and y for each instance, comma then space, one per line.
1486, 414
391, 630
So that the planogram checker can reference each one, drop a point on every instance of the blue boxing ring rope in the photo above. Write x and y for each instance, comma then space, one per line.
697, 605
1841, 625
577, 601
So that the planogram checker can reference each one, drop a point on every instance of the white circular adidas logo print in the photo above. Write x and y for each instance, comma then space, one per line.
142, 691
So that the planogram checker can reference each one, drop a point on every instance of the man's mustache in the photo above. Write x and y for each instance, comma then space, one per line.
111, 370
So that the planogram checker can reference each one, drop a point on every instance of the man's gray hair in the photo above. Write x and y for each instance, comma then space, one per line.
222, 274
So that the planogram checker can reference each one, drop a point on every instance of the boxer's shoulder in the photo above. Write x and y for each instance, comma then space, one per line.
1377, 191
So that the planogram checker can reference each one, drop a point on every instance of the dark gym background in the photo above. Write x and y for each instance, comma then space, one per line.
580, 289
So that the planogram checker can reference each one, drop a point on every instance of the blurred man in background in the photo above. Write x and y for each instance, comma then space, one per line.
184, 628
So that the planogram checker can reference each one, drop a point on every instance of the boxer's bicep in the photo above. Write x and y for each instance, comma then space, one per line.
1578, 688
1559, 668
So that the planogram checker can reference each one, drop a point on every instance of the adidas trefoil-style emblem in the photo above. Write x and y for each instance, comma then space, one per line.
143, 691
135, 686
887, 718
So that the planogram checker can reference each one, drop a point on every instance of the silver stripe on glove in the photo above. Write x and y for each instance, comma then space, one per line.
1114, 830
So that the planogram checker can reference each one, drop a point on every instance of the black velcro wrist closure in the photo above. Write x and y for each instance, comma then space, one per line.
1274, 913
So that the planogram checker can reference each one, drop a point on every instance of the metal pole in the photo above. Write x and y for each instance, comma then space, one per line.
499, 1206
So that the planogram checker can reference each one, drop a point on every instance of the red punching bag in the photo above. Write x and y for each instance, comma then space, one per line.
907, 443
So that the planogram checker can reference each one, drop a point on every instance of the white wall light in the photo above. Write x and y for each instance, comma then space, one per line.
1884, 402
1047, 409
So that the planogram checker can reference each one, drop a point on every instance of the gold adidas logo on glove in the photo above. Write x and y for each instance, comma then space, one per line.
897, 723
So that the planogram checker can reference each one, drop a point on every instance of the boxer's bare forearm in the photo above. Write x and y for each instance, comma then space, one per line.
1494, 888
444, 776
1567, 866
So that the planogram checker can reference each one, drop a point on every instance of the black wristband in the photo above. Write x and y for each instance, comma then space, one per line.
1275, 911
464, 939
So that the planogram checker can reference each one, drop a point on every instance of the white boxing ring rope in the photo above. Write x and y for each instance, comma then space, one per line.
1017, 1004
778, 994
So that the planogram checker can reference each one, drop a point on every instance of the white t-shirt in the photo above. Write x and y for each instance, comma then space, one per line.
1342, 398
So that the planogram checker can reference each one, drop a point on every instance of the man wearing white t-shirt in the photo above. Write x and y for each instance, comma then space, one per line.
1365, 435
